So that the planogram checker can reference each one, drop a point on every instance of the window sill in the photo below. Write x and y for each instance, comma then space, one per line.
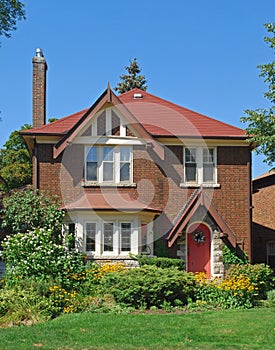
97, 184
192, 185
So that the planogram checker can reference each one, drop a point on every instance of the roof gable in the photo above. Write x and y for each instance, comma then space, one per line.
199, 198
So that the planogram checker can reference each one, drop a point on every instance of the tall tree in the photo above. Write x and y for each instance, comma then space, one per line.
15, 161
11, 11
132, 79
261, 122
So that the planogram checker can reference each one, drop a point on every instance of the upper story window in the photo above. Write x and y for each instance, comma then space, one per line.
108, 164
200, 165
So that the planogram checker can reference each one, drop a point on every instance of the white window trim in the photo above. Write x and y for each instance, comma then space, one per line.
120, 237
199, 169
116, 167
97, 236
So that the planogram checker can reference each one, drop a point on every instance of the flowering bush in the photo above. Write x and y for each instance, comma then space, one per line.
260, 275
233, 292
35, 254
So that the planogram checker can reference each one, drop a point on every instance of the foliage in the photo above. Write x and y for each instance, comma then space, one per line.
260, 275
132, 79
149, 286
233, 292
261, 122
162, 262
11, 11
29, 209
40, 255
231, 257
19, 306
15, 161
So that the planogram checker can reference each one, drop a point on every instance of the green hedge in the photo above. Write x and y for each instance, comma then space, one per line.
162, 262
150, 286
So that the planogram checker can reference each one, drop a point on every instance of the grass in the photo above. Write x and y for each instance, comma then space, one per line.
230, 329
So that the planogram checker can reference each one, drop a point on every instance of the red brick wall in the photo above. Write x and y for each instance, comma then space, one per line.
158, 182
263, 214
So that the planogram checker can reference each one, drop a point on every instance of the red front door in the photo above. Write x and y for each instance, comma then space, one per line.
198, 248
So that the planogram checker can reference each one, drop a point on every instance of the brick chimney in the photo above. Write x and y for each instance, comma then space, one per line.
39, 89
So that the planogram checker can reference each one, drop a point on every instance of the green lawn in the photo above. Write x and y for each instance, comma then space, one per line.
231, 329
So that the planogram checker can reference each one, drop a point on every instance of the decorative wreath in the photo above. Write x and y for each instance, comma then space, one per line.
198, 237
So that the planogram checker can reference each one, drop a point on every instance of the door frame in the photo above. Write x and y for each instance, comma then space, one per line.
211, 242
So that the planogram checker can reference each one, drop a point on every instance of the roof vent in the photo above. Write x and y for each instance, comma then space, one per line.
138, 96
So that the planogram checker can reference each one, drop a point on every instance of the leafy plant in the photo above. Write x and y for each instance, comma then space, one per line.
260, 275
149, 286
36, 255
232, 257
26, 210
233, 292
162, 262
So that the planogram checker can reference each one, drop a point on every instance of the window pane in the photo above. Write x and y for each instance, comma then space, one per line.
190, 155
208, 173
108, 171
108, 153
125, 229
91, 171
124, 172
190, 172
108, 237
90, 237
92, 154
208, 165
125, 154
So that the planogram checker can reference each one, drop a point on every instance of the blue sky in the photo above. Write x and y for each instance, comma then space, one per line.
199, 54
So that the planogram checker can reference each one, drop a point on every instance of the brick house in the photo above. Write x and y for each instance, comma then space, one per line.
263, 225
136, 172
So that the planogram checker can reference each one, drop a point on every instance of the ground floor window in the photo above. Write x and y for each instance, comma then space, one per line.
108, 237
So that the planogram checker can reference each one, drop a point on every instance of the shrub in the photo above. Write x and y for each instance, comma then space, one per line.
36, 255
162, 262
233, 292
260, 275
26, 210
150, 286
18, 306
233, 257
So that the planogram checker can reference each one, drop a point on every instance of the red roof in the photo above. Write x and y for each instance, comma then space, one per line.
158, 116
108, 201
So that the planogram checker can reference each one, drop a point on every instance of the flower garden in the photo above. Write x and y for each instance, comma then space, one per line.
44, 280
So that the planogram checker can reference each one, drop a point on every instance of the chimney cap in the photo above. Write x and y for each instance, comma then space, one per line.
39, 52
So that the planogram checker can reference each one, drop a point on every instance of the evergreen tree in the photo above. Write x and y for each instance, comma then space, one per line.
132, 79
261, 122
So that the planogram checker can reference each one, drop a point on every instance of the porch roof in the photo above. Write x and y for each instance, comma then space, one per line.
114, 201
199, 198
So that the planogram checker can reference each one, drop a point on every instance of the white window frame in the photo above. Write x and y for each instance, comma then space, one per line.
120, 237
116, 165
96, 236
199, 167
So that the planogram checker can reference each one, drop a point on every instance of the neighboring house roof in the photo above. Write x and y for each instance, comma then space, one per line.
199, 198
108, 201
159, 117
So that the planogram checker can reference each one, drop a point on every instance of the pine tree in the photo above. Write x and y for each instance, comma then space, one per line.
132, 79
